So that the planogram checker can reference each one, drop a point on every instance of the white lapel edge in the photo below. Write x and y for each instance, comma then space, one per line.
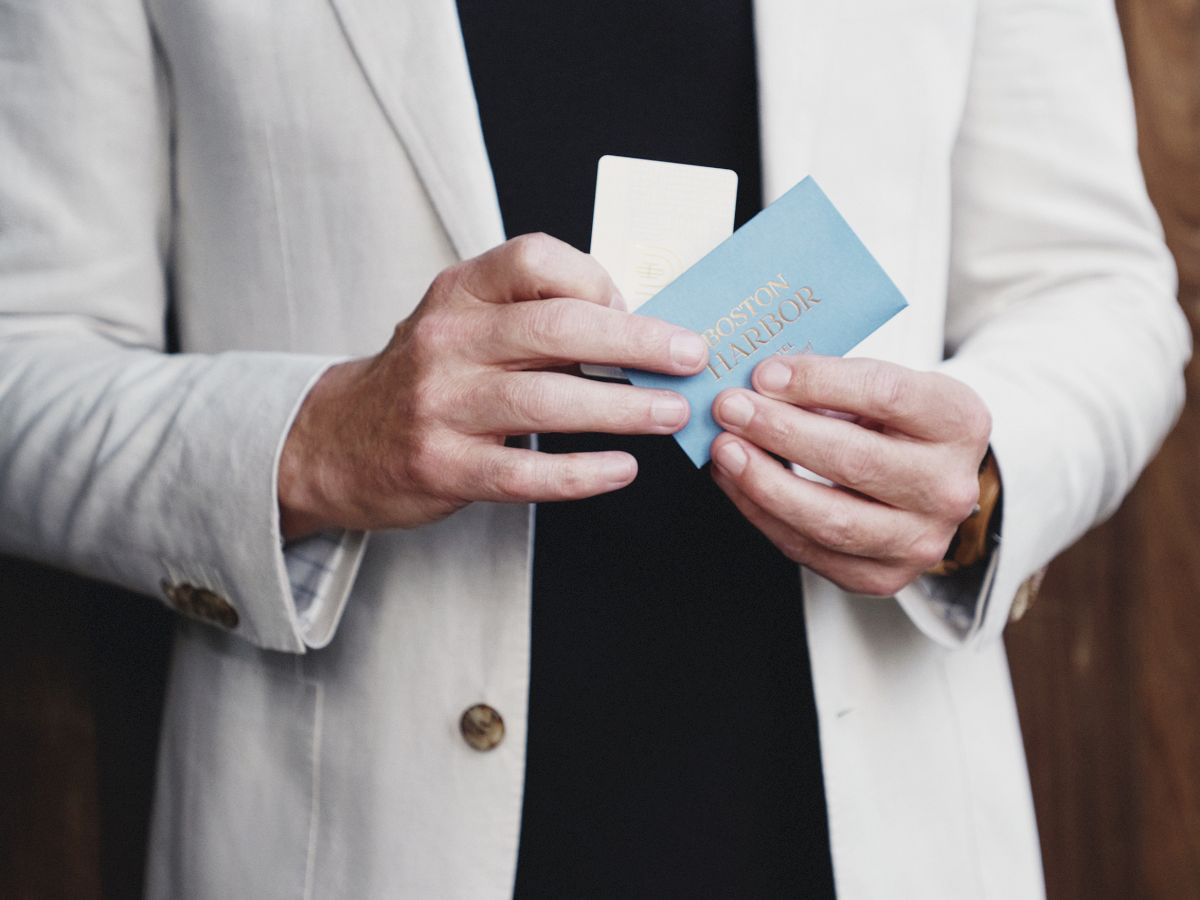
415, 63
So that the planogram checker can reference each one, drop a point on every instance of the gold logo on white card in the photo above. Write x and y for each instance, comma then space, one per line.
654, 268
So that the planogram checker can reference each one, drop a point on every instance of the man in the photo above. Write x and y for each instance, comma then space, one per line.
299, 184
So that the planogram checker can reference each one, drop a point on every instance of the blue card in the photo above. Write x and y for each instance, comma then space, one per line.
794, 279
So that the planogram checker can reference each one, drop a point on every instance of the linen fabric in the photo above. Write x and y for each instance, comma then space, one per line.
283, 187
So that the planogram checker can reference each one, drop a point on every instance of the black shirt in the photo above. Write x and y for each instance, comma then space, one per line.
672, 737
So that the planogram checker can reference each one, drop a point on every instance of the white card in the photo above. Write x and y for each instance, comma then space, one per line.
653, 220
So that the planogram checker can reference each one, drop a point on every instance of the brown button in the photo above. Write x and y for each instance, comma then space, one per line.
201, 603
481, 727
1027, 593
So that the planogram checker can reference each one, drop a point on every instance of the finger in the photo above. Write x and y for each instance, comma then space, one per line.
831, 518
925, 405
568, 330
531, 402
902, 473
510, 475
851, 573
536, 267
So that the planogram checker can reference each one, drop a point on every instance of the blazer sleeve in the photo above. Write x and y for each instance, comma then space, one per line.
1062, 311
119, 461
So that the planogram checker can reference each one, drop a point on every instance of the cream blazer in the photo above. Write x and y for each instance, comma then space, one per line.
281, 181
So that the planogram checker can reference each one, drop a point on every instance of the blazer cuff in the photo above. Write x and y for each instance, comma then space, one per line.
1036, 522
949, 609
233, 547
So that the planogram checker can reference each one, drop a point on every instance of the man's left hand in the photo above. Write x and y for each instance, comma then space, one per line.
902, 448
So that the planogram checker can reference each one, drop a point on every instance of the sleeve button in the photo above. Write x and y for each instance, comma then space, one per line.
1027, 593
201, 603
482, 727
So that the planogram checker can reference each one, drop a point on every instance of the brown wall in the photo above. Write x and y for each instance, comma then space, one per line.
1107, 663
82, 668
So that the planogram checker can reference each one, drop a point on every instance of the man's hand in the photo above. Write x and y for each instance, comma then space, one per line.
413, 434
903, 448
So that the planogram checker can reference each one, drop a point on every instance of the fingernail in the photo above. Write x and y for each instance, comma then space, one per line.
618, 471
732, 458
688, 350
737, 410
668, 411
773, 375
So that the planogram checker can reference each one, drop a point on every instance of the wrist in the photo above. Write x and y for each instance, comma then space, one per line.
308, 480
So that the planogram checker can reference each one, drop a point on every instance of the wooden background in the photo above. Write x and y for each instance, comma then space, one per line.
1106, 665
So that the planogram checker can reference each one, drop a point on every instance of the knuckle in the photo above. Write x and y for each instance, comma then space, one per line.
960, 497
839, 530
503, 392
512, 476
979, 423
534, 402
530, 251
857, 460
445, 282
646, 339
403, 336
547, 320
773, 430
972, 416
434, 332
424, 464
795, 548
572, 479
808, 376
879, 582
424, 403
891, 389
630, 413
506, 396
929, 550
625, 412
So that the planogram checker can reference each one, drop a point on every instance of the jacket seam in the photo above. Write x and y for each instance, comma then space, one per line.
310, 860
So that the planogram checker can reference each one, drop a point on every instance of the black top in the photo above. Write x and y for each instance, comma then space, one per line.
672, 736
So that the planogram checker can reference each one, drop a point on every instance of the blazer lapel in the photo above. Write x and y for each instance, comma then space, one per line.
412, 54
799, 95
791, 39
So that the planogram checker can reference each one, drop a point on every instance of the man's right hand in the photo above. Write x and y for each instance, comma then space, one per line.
416, 432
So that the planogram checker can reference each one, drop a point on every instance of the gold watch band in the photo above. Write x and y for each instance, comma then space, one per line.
972, 541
